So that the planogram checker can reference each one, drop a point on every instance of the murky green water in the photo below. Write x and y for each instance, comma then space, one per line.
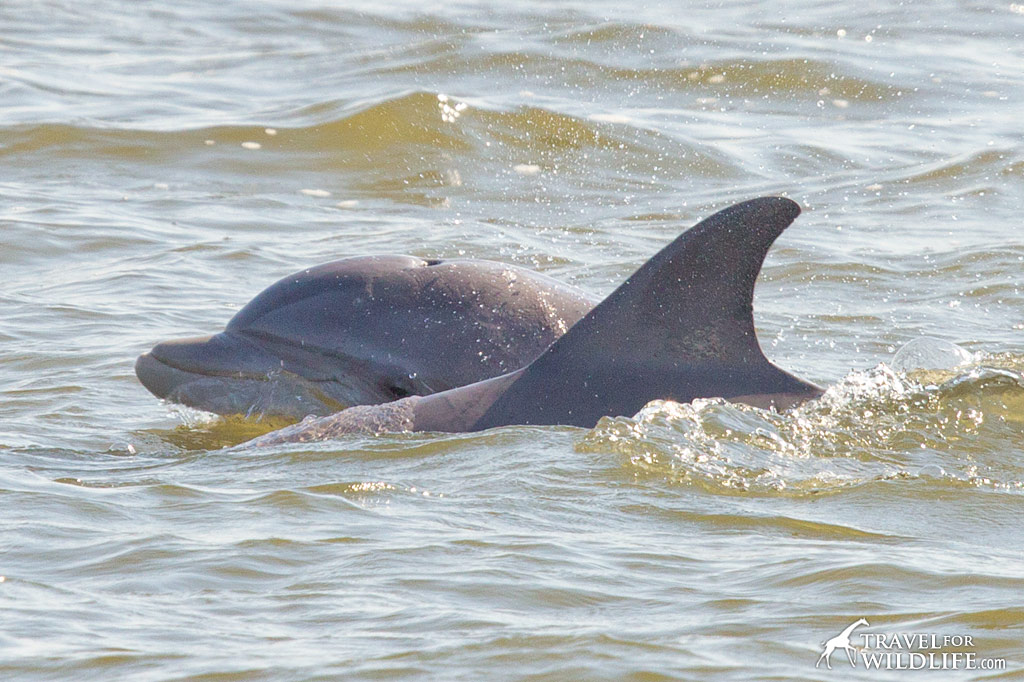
161, 163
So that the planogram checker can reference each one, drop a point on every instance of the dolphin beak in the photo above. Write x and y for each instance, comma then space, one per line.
158, 378
171, 364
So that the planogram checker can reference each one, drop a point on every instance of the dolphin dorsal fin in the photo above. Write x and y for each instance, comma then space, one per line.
681, 327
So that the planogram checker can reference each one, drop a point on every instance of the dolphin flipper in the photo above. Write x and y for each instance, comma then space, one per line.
681, 327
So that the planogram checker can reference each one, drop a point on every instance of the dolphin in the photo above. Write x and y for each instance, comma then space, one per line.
680, 328
366, 330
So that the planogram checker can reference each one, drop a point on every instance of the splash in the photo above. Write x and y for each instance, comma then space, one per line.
947, 426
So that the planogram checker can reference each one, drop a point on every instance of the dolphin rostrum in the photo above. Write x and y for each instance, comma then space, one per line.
366, 330
681, 327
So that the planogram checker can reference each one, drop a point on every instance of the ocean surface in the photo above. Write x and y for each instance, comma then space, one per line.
163, 162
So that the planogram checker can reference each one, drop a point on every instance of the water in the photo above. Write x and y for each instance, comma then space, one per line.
162, 163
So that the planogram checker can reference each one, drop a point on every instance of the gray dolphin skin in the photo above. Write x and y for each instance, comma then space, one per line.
680, 328
363, 331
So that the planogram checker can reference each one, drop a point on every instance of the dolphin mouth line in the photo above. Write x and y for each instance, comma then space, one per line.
264, 340
172, 383
164, 379
203, 372
241, 375
171, 377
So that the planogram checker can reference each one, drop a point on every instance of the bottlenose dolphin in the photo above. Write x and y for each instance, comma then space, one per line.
366, 330
681, 327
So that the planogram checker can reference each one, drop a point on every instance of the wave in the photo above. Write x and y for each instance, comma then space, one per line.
415, 126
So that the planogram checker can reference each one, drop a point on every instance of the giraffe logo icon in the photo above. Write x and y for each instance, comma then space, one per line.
841, 641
